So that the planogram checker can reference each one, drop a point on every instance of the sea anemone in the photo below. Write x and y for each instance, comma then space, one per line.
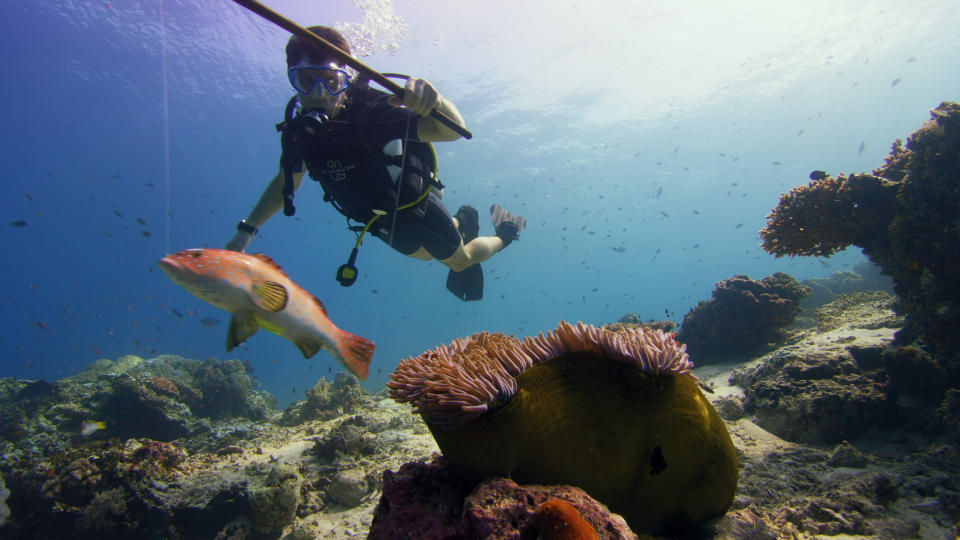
617, 414
451, 385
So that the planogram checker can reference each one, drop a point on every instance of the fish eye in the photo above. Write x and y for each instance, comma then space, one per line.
197, 253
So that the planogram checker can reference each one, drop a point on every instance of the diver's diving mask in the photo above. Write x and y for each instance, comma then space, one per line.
313, 80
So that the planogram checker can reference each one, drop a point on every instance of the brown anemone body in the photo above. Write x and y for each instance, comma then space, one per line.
652, 448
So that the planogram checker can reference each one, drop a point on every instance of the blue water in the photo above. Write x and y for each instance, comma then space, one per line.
132, 129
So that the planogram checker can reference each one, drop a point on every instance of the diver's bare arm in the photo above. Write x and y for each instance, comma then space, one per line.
431, 130
272, 199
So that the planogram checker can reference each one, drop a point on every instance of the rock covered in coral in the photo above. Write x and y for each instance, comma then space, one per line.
808, 396
830, 384
796, 492
274, 505
420, 500
741, 316
865, 277
858, 307
905, 216
429, 500
326, 400
267, 482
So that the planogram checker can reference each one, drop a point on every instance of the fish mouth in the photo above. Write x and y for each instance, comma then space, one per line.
169, 265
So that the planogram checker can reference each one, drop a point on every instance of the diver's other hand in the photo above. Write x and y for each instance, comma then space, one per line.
418, 95
240, 241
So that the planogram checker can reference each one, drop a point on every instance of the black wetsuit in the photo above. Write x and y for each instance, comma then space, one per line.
347, 157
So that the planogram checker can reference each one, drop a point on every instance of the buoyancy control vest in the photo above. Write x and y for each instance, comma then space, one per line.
358, 158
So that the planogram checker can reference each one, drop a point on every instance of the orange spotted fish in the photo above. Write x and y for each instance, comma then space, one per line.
258, 294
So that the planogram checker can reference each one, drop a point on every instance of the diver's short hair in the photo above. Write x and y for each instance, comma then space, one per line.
298, 48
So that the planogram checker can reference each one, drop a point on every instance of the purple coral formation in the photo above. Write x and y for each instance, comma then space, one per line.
742, 315
453, 384
428, 500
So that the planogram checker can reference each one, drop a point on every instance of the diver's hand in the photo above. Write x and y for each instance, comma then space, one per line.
240, 241
418, 95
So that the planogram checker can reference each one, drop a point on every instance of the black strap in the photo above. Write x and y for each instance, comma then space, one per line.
290, 159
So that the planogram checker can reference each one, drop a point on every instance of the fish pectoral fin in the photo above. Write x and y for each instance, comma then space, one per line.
270, 296
243, 324
308, 347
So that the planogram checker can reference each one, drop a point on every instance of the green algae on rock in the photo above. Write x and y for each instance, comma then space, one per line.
615, 413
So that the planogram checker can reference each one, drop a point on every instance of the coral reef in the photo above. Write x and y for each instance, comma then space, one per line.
614, 413
429, 500
742, 316
905, 216
890, 474
326, 400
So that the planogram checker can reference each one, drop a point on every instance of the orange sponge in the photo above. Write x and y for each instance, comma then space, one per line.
557, 519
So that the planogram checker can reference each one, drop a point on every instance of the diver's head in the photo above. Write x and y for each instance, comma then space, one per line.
319, 78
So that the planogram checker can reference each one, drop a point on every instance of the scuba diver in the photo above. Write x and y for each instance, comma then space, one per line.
370, 151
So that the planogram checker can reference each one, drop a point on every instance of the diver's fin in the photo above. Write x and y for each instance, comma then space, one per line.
469, 223
507, 226
468, 284
243, 324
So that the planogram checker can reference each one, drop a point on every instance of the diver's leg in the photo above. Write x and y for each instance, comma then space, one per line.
478, 250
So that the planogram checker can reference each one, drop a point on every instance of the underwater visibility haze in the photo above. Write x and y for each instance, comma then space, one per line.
643, 143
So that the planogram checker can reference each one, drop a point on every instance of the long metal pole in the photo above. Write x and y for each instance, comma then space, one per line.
343, 58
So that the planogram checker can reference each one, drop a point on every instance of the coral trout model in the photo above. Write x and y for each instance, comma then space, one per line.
258, 294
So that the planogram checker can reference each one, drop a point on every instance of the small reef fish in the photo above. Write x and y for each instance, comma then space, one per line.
89, 427
258, 294
18, 223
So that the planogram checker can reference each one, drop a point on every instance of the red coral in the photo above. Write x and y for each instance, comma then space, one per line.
557, 519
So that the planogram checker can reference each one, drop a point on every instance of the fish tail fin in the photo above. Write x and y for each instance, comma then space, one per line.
356, 352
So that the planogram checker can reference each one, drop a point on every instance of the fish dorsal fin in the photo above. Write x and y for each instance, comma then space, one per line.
273, 264
319, 304
270, 296
242, 325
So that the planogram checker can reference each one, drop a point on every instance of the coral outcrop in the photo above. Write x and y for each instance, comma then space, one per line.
829, 386
905, 216
430, 500
743, 315
614, 413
